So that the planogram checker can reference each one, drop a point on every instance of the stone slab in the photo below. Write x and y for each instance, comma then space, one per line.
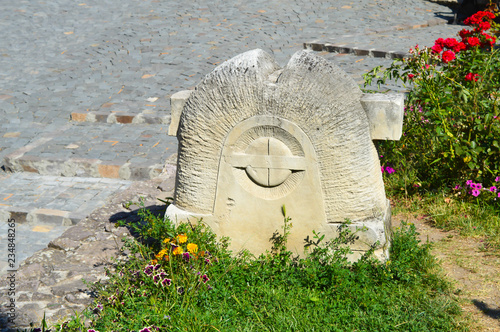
268, 137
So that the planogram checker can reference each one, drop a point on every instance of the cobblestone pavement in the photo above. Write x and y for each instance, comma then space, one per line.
86, 84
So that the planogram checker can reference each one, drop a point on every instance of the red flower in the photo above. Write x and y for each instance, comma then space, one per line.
464, 33
410, 76
484, 26
439, 41
470, 20
450, 43
477, 18
436, 48
448, 56
489, 15
472, 77
459, 47
489, 40
473, 41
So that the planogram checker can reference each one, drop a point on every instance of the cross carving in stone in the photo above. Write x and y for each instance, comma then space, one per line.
268, 161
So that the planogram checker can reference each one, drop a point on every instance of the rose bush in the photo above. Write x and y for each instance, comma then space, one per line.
452, 114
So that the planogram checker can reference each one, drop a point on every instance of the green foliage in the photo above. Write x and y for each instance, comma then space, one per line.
275, 291
452, 117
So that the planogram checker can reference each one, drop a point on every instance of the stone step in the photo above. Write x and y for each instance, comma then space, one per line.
389, 44
97, 150
53, 200
29, 239
43, 207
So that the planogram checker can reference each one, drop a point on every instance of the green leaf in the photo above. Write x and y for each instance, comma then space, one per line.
435, 161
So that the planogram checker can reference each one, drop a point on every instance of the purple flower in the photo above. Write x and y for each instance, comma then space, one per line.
149, 270
166, 282
497, 179
186, 256
475, 192
390, 170
469, 182
156, 267
150, 329
479, 186
207, 261
204, 278
156, 279
493, 189
209, 287
180, 290
382, 168
97, 309
457, 187
162, 274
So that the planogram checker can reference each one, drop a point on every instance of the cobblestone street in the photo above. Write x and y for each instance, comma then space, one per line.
85, 99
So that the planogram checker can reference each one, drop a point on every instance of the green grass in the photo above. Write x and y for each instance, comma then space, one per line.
447, 210
273, 292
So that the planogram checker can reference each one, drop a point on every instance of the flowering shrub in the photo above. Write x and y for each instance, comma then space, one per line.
490, 194
452, 117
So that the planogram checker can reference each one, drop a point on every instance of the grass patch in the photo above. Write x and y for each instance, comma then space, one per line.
449, 213
185, 279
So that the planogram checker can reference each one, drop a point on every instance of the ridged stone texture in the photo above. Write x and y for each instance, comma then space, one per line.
254, 135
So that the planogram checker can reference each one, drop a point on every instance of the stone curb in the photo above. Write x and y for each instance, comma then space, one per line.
342, 48
41, 216
81, 167
319, 46
123, 118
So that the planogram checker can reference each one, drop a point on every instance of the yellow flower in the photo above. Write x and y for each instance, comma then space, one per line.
182, 238
192, 248
178, 251
162, 253
167, 240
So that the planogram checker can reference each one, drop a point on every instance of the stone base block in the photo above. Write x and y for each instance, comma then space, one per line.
372, 232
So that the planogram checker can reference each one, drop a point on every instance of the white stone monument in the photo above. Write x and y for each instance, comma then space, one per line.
254, 137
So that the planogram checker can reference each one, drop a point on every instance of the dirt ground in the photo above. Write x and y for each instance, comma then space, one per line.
475, 272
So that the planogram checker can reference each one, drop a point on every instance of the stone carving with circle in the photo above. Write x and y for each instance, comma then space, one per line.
254, 136
267, 160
